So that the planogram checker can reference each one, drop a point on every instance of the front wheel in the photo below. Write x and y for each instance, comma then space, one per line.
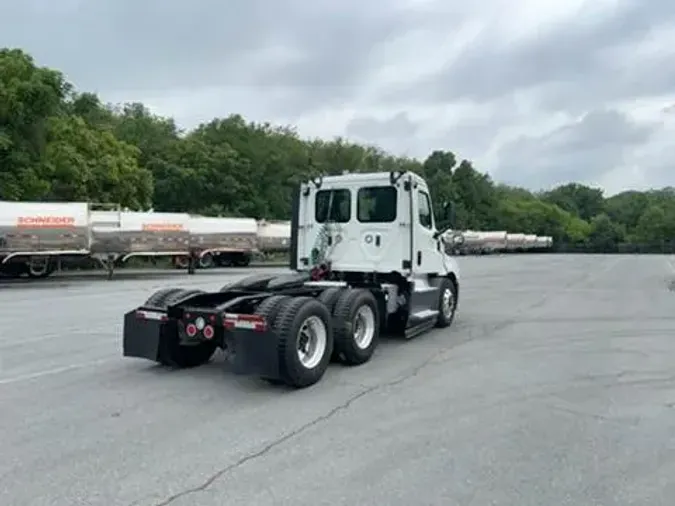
447, 303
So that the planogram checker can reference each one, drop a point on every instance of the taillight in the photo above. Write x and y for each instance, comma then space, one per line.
191, 329
208, 332
245, 321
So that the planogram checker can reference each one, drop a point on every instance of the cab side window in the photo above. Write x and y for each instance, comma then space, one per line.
425, 213
333, 206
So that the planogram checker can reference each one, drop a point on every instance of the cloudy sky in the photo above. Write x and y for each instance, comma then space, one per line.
536, 92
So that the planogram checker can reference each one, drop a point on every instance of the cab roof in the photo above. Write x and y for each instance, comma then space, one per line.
366, 177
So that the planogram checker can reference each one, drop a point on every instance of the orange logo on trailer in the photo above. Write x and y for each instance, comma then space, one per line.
45, 222
163, 227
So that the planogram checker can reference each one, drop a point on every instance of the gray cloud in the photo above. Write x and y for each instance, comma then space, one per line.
572, 58
580, 151
387, 132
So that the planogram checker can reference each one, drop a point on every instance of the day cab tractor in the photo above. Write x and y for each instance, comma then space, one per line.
366, 259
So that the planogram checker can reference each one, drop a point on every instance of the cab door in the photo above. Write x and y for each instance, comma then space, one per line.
427, 254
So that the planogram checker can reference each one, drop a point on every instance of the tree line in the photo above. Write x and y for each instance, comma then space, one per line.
60, 144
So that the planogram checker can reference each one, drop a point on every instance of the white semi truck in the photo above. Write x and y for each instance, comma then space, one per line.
367, 257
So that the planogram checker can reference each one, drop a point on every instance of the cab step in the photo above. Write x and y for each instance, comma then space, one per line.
420, 322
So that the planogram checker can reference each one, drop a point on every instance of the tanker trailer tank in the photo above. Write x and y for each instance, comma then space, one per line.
493, 241
34, 235
274, 236
223, 242
473, 243
530, 242
515, 242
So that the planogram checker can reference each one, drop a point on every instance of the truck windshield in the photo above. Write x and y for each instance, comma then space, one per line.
377, 204
333, 205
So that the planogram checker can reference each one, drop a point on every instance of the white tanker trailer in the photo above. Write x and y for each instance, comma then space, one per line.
33, 233
515, 242
530, 242
543, 242
493, 241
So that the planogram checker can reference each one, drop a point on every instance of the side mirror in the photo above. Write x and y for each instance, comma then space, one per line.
449, 212
447, 221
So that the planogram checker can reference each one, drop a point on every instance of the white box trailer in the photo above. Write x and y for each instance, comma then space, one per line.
274, 236
32, 234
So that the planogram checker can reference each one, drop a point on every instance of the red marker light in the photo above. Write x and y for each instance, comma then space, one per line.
208, 332
191, 330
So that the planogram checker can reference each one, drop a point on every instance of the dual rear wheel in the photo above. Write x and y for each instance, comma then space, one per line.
340, 324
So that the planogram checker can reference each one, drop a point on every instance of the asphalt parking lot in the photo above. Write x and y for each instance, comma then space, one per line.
555, 386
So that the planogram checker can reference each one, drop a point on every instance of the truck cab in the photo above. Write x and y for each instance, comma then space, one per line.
365, 223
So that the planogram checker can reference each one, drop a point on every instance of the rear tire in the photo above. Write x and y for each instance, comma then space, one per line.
174, 354
157, 300
357, 326
305, 341
171, 352
329, 297
271, 307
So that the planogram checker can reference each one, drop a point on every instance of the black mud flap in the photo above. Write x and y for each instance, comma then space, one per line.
254, 353
142, 336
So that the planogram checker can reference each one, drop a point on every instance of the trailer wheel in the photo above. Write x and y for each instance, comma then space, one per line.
206, 261
242, 261
40, 267
357, 326
447, 303
305, 341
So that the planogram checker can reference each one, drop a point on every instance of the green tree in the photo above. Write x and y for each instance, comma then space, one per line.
29, 96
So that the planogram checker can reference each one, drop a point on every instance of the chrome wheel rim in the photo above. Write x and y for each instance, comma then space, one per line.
312, 342
364, 327
448, 304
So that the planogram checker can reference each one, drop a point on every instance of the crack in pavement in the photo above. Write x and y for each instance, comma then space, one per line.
296, 432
